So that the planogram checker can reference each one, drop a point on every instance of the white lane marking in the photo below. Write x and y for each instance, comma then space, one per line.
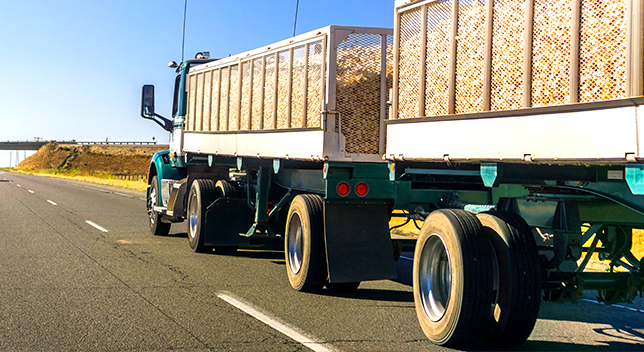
50, 202
30, 191
406, 258
18, 185
307, 341
614, 305
123, 195
96, 226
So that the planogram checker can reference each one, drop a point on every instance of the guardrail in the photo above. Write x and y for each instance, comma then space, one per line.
117, 143
35, 145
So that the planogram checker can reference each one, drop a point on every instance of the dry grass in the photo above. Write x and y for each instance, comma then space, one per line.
103, 179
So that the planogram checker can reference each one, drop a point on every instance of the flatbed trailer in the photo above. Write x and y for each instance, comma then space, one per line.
521, 166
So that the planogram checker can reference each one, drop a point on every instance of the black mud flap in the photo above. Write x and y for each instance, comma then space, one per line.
226, 219
358, 243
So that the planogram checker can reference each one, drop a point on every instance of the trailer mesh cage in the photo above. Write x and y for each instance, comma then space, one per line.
343, 71
465, 56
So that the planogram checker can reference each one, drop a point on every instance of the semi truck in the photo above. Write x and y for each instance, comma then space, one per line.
511, 129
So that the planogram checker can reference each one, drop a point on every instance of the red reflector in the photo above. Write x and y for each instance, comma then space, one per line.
362, 189
343, 188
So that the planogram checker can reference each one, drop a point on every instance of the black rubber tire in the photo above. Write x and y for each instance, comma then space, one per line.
202, 194
306, 268
343, 287
224, 188
517, 302
452, 279
157, 227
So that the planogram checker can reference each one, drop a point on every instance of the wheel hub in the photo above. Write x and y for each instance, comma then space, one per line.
435, 277
152, 202
192, 218
295, 244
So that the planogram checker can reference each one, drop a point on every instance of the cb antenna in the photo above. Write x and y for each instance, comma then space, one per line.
183, 40
297, 6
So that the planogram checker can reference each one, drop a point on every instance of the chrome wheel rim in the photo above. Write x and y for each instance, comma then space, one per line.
435, 277
152, 202
295, 244
192, 216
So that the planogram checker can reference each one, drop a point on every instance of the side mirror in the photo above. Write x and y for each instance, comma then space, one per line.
147, 102
147, 108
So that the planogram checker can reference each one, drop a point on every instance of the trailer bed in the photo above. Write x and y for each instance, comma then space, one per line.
589, 133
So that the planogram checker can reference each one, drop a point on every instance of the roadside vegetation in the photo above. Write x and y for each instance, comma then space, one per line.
98, 178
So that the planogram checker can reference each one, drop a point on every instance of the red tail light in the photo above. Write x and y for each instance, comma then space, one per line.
343, 188
362, 189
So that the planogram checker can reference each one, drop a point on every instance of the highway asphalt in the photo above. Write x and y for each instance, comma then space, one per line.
79, 271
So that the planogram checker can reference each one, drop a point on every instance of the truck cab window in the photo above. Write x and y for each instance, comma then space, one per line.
175, 100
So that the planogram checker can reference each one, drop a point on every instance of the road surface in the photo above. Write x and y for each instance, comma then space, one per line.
79, 271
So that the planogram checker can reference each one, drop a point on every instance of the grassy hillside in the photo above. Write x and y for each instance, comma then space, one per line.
120, 165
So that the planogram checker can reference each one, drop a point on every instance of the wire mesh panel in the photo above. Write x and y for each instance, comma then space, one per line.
283, 102
233, 103
603, 50
439, 23
214, 108
390, 69
257, 113
224, 87
409, 62
298, 88
207, 100
358, 91
198, 115
470, 56
246, 91
190, 113
552, 39
315, 85
269, 92
507, 54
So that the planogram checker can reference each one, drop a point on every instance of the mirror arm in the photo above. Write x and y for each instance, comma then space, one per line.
163, 122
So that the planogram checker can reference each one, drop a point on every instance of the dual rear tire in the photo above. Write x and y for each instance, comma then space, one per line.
476, 279
203, 193
304, 247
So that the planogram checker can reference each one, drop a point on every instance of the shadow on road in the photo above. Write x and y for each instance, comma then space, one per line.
552, 346
372, 295
260, 254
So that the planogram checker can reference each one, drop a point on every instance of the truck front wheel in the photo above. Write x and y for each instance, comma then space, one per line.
202, 193
157, 228
304, 244
452, 278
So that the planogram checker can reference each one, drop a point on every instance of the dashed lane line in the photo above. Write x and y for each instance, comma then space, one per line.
305, 340
50, 202
96, 226
615, 305
30, 191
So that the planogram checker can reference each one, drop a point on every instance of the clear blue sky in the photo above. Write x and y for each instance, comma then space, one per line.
73, 69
